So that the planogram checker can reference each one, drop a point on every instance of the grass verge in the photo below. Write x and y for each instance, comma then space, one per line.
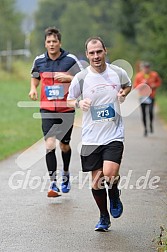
162, 104
18, 128
161, 240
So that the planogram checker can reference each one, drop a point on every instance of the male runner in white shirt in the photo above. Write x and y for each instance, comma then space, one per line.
98, 91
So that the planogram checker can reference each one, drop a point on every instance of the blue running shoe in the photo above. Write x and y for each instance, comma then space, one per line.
103, 224
53, 190
116, 207
65, 186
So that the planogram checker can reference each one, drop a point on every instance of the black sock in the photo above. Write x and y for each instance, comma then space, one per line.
66, 156
100, 197
113, 191
113, 188
51, 163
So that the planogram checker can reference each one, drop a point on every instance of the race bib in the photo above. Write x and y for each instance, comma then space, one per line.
55, 92
103, 113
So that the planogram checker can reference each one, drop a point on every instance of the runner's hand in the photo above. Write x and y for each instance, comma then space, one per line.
121, 95
85, 104
62, 77
153, 85
33, 94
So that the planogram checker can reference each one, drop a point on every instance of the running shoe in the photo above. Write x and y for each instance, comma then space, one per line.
103, 224
65, 186
116, 207
53, 190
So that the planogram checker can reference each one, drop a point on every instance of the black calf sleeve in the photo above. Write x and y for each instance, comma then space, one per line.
51, 163
100, 197
66, 156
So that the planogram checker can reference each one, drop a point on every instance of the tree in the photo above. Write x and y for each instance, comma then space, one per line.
77, 20
10, 25
77, 25
132, 30
48, 14
152, 35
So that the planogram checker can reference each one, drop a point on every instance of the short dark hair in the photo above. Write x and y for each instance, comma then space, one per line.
94, 41
53, 31
146, 64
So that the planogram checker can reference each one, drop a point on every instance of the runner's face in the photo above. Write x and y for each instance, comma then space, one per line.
146, 69
96, 54
52, 44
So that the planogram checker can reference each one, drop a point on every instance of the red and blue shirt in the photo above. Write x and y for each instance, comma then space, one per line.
53, 95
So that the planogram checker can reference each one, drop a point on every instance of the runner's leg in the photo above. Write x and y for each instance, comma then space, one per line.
111, 171
143, 110
51, 160
151, 115
99, 191
66, 155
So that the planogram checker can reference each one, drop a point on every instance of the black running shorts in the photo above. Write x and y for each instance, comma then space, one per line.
92, 156
58, 125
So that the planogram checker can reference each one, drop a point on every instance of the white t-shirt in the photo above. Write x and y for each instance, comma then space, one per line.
102, 123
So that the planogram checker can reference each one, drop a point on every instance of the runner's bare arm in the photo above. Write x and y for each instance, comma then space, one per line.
127, 90
82, 104
33, 89
123, 92
63, 77
72, 103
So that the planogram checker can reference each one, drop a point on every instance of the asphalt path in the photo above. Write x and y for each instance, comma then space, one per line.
29, 221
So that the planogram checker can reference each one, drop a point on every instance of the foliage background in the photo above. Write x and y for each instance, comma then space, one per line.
132, 30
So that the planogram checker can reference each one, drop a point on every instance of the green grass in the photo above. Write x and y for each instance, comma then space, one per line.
18, 128
162, 104
161, 240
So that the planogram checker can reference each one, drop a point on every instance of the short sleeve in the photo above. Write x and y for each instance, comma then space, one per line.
77, 65
34, 71
124, 79
74, 89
